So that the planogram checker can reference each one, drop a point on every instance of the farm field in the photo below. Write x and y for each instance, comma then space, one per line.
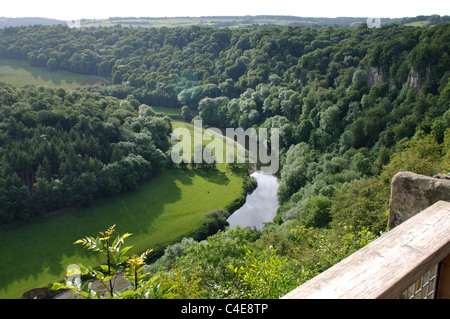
418, 24
162, 211
18, 72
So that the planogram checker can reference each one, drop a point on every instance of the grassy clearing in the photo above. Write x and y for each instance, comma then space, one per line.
18, 72
160, 212
171, 112
418, 23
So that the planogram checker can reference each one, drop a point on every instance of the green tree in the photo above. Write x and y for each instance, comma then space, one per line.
85, 188
52, 64
438, 130
361, 204
361, 164
41, 196
316, 212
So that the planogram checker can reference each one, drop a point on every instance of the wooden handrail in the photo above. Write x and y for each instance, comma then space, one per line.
390, 264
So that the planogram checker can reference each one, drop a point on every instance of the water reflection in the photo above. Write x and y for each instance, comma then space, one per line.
260, 206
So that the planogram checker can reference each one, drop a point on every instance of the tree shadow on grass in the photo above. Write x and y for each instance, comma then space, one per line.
213, 176
57, 77
46, 245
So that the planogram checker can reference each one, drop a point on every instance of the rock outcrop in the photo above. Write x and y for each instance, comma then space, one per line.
376, 76
413, 81
411, 193
41, 293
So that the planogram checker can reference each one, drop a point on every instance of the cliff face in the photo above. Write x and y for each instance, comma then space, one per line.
412, 193
376, 76
412, 83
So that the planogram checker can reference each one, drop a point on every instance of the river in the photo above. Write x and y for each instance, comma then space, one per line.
260, 206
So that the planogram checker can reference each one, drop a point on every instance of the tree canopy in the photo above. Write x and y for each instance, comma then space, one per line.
353, 105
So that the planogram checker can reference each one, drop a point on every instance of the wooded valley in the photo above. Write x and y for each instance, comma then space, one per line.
354, 106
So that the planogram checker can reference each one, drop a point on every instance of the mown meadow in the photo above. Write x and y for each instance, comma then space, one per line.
19, 72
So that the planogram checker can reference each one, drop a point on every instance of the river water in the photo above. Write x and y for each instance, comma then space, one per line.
260, 206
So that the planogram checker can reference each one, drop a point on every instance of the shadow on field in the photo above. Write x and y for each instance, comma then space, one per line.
36, 254
23, 70
46, 245
213, 176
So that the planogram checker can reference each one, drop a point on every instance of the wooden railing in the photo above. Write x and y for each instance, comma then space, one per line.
411, 260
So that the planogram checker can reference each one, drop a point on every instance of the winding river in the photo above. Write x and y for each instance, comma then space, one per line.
260, 206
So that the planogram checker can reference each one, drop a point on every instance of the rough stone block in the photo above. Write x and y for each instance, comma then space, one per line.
411, 193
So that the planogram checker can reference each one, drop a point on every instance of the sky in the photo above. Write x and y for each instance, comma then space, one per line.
100, 9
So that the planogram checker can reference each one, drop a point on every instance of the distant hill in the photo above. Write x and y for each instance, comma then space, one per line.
227, 21
17, 22
222, 21
207, 21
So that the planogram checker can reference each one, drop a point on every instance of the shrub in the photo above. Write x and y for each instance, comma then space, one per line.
316, 212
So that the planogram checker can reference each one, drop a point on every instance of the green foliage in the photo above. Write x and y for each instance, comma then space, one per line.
438, 130
228, 264
250, 184
177, 284
361, 204
316, 212
214, 221
421, 155
320, 251
211, 258
294, 173
347, 124
171, 253
264, 275
70, 148
116, 261
239, 263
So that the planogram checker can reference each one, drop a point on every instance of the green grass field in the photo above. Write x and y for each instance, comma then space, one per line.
160, 212
418, 23
171, 112
19, 72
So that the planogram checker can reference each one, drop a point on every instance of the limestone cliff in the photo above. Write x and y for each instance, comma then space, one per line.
413, 81
376, 76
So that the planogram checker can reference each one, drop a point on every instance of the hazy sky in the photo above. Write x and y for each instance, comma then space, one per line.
77, 9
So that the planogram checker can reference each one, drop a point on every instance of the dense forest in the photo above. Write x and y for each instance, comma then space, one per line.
354, 105
63, 149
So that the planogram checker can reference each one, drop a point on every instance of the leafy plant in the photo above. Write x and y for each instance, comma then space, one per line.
264, 275
181, 284
116, 262
317, 251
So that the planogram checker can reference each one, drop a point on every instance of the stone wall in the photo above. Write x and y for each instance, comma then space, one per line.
411, 193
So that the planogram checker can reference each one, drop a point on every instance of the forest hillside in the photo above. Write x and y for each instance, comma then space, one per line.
354, 105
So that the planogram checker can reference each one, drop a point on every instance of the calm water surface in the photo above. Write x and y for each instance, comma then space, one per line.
260, 206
